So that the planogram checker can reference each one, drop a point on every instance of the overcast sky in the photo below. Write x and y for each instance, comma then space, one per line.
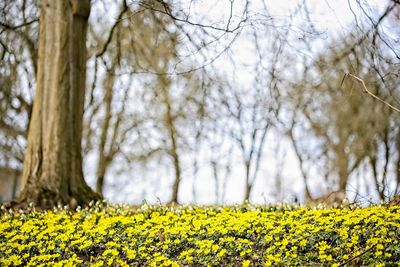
331, 18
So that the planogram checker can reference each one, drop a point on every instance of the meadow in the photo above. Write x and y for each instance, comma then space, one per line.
243, 235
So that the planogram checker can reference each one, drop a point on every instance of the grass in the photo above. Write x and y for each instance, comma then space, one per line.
201, 236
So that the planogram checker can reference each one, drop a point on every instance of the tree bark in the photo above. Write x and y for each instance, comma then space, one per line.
342, 165
173, 152
249, 185
169, 121
52, 171
373, 162
104, 155
343, 177
397, 164
308, 196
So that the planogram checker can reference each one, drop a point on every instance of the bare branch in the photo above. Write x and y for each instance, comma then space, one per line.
15, 27
357, 256
365, 90
124, 8
167, 11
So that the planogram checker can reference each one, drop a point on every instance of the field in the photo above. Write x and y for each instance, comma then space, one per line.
201, 236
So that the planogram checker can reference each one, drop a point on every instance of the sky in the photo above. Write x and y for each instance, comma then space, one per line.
331, 18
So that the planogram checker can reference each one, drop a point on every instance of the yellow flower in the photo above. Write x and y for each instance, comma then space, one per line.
130, 254
221, 253
378, 253
268, 238
121, 263
110, 252
215, 247
97, 264
303, 243
246, 263
112, 244
12, 260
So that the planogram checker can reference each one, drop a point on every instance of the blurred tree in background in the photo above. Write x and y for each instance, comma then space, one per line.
18, 67
356, 136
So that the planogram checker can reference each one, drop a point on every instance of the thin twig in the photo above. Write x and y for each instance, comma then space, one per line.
15, 27
355, 257
166, 11
365, 90
123, 10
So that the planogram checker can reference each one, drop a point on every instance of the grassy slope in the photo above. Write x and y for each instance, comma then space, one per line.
201, 236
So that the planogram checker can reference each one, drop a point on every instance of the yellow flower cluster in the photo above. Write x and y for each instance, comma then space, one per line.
201, 236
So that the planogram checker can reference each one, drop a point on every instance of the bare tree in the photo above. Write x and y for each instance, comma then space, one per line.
18, 55
53, 160
350, 128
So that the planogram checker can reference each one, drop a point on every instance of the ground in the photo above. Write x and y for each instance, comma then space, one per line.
201, 236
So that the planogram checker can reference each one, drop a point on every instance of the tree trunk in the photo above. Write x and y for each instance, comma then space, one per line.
214, 166
308, 196
177, 169
175, 156
53, 161
397, 164
379, 188
342, 165
104, 155
16, 177
100, 174
173, 150
343, 176
249, 185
